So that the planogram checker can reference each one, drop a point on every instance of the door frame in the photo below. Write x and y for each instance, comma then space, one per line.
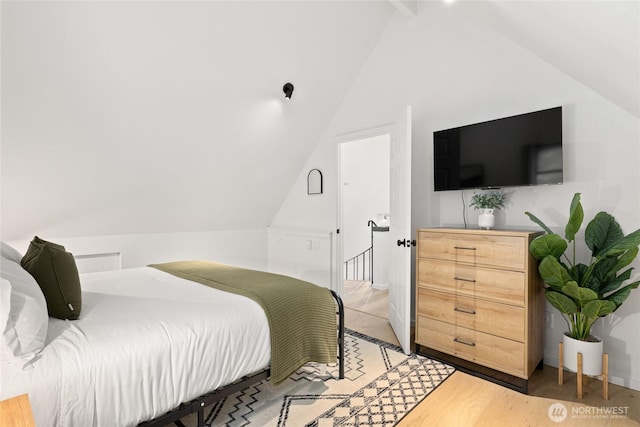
339, 241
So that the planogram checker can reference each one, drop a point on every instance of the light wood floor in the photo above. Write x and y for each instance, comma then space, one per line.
465, 400
360, 296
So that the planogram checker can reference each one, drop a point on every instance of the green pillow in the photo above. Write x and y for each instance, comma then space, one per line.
57, 275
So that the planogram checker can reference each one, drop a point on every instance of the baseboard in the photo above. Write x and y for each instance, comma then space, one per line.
380, 286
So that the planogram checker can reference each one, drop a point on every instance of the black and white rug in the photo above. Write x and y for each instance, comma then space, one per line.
381, 385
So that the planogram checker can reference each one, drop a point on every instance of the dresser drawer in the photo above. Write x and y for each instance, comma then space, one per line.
493, 318
468, 280
483, 249
488, 350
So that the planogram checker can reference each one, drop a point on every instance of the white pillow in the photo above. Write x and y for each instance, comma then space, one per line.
7, 251
27, 315
9, 339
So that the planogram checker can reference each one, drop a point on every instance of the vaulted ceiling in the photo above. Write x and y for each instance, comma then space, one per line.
122, 117
595, 42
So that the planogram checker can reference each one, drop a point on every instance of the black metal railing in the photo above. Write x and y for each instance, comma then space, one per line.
359, 267
361, 263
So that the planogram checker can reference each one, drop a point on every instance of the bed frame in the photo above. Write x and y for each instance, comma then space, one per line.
198, 404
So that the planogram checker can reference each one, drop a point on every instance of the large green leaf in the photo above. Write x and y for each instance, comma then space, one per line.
598, 308
553, 273
580, 295
602, 232
537, 220
602, 272
628, 242
577, 272
614, 283
620, 295
547, 244
576, 216
626, 258
563, 303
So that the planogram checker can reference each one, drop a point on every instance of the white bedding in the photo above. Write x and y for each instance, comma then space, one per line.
145, 342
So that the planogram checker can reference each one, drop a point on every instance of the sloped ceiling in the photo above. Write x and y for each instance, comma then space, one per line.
595, 42
134, 117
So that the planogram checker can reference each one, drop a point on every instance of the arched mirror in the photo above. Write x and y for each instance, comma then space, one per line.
314, 182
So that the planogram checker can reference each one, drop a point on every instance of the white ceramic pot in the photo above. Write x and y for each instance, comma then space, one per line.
486, 219
591, 355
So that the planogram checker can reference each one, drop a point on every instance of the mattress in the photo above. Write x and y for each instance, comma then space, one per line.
146, 341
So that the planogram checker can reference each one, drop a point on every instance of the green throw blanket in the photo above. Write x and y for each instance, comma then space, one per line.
302, 316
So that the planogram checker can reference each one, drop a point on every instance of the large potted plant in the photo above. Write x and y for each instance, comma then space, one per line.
584, 292
487, 203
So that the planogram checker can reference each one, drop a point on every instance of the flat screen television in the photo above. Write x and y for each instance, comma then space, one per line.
513, 151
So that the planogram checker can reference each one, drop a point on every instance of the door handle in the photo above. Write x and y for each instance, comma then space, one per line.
406, 243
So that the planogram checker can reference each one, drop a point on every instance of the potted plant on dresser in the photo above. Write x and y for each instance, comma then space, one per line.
584, 292
487, 203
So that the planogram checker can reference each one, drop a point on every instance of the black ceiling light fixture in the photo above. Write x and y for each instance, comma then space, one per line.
288, 90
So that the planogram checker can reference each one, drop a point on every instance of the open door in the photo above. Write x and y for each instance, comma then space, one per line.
400, 230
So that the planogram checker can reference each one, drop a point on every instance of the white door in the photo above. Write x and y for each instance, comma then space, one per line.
400, 230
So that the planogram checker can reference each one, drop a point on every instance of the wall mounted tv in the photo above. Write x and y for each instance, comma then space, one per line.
513, 151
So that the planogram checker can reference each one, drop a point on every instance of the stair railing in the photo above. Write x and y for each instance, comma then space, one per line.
361, 261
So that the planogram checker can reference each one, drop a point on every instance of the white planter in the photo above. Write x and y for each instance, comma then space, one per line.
591, 355
486, 219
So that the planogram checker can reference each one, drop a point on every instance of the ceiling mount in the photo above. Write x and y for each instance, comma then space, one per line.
288, 90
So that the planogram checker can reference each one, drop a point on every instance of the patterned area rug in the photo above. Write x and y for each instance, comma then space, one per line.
381, 385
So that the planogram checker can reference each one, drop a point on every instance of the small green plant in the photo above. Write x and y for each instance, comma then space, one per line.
585, 292
488, 200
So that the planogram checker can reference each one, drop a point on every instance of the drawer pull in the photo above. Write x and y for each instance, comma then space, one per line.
464, 310
465, 280
470, 344
464, 248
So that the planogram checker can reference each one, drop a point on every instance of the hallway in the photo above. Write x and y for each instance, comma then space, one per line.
367, 310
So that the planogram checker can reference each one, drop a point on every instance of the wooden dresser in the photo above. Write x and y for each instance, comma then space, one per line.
480, 303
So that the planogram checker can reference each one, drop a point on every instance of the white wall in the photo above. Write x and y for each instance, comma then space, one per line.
303, 254
243, 248
454, 71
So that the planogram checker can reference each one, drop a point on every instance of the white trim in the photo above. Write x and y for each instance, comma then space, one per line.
363, 134
300, 232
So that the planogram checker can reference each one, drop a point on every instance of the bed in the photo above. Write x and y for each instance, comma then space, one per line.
148, 348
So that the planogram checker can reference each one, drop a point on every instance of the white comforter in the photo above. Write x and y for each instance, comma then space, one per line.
145, 342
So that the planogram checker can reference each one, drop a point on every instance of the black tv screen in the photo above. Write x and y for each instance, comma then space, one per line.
519, 150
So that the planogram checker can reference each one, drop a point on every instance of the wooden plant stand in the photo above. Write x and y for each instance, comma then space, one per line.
580, 378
